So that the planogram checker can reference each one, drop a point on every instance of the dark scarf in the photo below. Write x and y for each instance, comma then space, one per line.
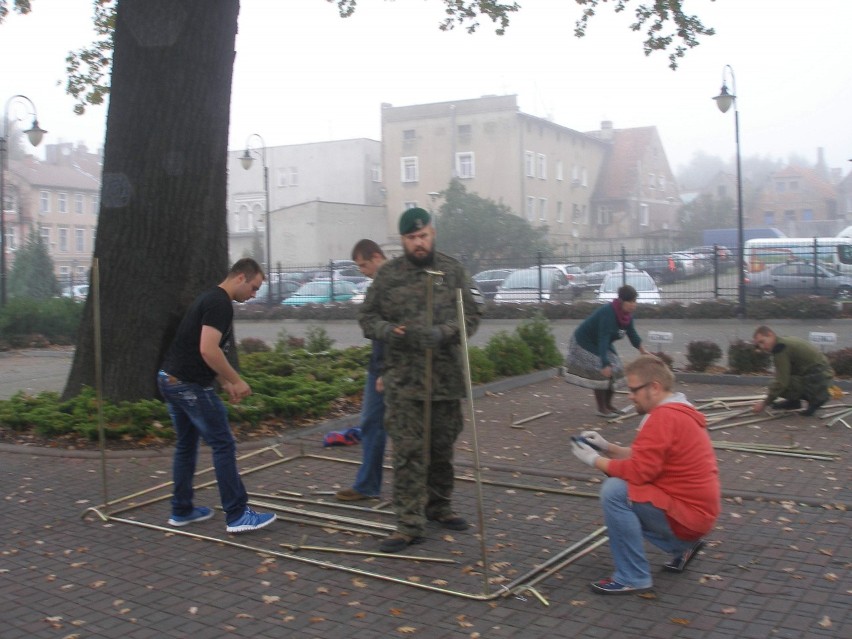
621, 316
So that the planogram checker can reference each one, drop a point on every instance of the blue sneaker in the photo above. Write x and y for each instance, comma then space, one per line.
250, 521
201, 513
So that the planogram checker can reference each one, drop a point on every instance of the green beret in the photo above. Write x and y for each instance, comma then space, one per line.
413, 220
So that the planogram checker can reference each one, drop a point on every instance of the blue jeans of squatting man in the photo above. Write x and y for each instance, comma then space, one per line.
368, 481
197, 412
628, 523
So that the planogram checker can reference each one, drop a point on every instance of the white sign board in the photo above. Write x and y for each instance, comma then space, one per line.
822, 339
662, 337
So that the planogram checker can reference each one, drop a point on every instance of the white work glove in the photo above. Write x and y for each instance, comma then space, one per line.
584, 453
594, 437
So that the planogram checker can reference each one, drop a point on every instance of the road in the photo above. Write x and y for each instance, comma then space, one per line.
41, 370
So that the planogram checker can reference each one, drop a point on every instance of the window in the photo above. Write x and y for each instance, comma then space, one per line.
9, 203
661, 182
45, 237
789, 216
63, 239
464, 130
78, 203
529, 163
94, 237
780, 187
769, 217
465, 168
584, 177
282, 178
807, 215
576, 217
96, 205
376, 173
43, 202
294, 176
559, 213
542, 209
794, 185
604, 216
559, 170
409, 135
410, 172
62, 202
530, 208
411, 204
79, 240
643, 215
10, 238
243, 218
541, 166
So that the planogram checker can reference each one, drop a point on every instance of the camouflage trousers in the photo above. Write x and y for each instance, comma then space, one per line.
812, 386
422, 490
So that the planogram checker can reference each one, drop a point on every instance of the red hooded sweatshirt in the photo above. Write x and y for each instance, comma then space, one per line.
672, 465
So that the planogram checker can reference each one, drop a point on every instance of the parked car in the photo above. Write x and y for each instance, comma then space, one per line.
522, 287
689, 262
798, 278
319, 292
281, 290
644, 284
488, 281
361, 291
78, 291
574, 274
597, 271
665, 269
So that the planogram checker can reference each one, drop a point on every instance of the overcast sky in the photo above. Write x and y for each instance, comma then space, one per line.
305, 75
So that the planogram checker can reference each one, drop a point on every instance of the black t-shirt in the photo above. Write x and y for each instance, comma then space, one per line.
183, 360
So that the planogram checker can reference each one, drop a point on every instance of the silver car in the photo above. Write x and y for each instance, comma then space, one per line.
799, 278
531, 286
644, 284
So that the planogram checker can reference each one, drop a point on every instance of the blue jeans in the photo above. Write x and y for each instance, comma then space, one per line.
198, 412
628, 523
368, 481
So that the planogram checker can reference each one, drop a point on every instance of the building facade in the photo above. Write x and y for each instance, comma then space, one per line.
57, 198
343, 171
587, 188
799, 201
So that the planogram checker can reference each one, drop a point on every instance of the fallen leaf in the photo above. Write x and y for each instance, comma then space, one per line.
680, 621
826, 551
322, 589
729, 610
396, 612
406, 630
317, 619
359, 583
193, 610
831, 576
825, 622
270, 599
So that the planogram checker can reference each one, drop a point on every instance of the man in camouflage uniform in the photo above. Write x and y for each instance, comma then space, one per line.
801, 372
395, 311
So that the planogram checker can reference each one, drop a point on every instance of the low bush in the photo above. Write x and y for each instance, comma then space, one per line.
537, 334
701, 354
668, 360
744, 358
509, 354
841, 362
25, 321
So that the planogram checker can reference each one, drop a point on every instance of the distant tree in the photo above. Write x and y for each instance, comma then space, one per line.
699, 171
484, 233
706, 212
32, 273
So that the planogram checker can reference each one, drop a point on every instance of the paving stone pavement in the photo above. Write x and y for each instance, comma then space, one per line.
777, 565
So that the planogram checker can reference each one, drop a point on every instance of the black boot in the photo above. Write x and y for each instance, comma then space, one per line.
788, 404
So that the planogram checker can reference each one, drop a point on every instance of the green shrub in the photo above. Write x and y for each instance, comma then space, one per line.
743, 357
57, 319
701, 354
317, 340
509, 354
537, 334
482, 369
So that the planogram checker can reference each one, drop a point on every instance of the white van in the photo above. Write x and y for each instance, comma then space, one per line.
833, 252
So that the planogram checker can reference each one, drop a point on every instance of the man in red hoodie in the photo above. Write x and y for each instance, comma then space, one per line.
664, 488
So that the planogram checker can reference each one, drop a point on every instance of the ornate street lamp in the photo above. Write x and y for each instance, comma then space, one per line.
247, 160
724, 101
35, 133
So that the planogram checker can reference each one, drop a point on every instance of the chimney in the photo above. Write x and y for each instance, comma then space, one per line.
606, 130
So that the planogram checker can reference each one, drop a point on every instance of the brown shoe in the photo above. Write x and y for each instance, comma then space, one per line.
398, 541
350, 494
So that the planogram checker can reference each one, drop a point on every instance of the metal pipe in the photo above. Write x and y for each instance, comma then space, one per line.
477, 473
367, 553
99, 375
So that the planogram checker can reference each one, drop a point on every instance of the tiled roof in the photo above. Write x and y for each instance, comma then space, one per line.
618, 178
81, 174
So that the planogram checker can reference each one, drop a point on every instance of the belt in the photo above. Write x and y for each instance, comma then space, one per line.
171, 379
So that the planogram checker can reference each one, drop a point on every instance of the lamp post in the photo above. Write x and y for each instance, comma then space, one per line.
35, 133
724, 101
247, 160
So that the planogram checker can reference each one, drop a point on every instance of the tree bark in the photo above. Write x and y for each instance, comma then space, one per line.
162, 231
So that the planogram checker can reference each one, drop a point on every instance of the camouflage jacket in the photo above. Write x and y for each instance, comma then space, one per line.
397, 297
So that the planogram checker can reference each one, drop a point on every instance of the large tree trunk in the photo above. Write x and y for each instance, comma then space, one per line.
162, 233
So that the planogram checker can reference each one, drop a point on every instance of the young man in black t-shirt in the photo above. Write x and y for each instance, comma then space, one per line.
197, 358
